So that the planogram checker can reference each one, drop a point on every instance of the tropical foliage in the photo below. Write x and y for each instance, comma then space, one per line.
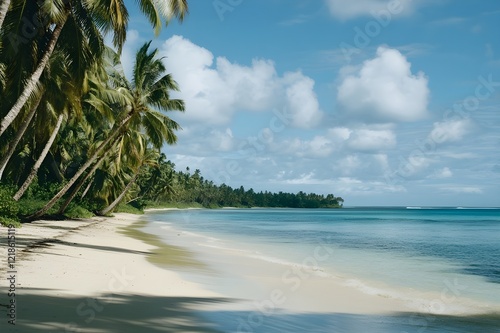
71, 125
161, 185
78, 137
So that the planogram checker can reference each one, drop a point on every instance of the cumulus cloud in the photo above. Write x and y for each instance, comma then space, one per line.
384, 89
301, 100
215, 88
372, 140
348, 165
344, 10
319, 146
340, 133
221, 140
450, 131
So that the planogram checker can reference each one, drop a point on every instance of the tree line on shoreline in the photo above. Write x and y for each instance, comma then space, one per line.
163, 185
77, 136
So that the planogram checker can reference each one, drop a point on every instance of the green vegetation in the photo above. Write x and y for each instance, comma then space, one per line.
77, 137
162, 186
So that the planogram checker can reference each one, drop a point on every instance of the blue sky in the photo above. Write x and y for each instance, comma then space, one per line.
380, 102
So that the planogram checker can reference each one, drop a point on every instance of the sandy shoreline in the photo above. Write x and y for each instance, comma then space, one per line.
87, 276
108, 275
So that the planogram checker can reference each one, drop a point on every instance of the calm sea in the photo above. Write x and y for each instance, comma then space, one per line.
408, 253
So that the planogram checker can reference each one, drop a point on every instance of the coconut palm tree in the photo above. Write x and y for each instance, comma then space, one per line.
4, 7
149, 90
149, 158
56, 95
84, 20
11, 148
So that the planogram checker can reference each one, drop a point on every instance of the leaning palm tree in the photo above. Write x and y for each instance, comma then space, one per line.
149, 158
12, 145
91, 16
56, 95
4, 8
55, 15
149, 90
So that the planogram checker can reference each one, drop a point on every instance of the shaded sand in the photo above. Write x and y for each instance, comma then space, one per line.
87, 276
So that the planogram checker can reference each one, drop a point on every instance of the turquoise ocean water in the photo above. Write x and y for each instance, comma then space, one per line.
441, 261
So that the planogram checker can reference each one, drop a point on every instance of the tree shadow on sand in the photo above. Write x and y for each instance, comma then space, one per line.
47, 311
38, 312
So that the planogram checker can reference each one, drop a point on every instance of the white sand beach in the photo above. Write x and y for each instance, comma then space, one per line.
86, 276
105, 275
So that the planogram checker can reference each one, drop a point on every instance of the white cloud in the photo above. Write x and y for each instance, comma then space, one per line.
221, 140
372, 140
384, 89
450, 131
348, 165
319, 146
134, 41
301, 100
345, 10
463, 189
304, 179
340, 133
382, 160
346, 185
443, 173
215, 88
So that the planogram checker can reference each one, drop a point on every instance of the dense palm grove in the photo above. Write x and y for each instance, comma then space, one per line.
79, 137
161, 183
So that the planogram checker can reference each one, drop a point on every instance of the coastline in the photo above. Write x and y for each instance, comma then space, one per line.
113, 275
88, 276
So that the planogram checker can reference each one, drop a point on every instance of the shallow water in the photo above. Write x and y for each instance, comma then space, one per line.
451, 255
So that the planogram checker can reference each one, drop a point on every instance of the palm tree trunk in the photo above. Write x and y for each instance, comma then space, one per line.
86, 190
39, 162
4, 8
112, 206
19, 135
84, 167
31, 83
73, 193
82, 181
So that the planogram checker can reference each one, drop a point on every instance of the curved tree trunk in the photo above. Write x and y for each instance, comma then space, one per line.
73, 193
112, 206
4, 8
31, 83
19, 135
84, 167
86, 190
39, 162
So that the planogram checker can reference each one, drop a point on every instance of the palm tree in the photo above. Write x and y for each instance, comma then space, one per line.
150, 88
92, 16
4, 7
149, 158
60, 13
19, 134
58, 95
40, 159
